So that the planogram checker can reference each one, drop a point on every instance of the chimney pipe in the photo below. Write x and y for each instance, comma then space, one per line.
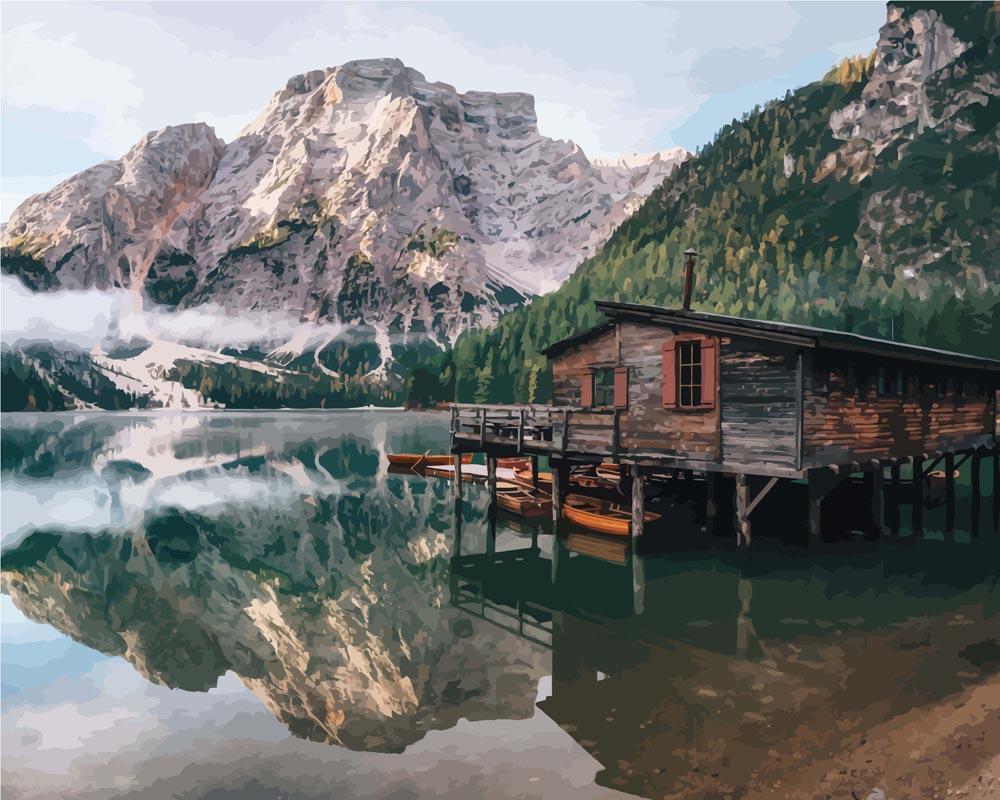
690, 255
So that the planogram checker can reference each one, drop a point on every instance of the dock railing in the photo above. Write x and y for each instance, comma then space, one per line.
538, 428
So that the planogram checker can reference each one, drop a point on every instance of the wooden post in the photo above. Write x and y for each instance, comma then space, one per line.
893, 505
638, 584
815, 509
711, 505
918, 498
878, 511
491, 478
996, 487
742, 514
534, 472
638, 503
457, 477
520, 431
977, 461
949, 492
482, 428
557, 498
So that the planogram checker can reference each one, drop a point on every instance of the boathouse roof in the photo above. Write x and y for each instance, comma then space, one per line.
784, 332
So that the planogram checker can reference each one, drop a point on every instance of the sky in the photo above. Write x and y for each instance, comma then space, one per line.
81, 82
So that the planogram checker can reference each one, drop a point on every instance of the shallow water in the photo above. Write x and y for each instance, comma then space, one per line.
253, 605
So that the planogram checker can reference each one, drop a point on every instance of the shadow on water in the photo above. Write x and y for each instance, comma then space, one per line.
365, 609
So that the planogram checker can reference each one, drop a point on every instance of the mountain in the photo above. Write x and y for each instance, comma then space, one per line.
865, 202
362, 194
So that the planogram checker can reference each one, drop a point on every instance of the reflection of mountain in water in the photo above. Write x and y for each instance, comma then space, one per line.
328, 595
702, 678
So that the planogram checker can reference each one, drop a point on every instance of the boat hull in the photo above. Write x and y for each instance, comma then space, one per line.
596, 516
425, 460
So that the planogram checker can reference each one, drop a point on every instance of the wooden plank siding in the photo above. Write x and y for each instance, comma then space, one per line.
846, 418
759, 399
782, 406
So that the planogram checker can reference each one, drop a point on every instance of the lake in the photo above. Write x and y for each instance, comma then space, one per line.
221, 605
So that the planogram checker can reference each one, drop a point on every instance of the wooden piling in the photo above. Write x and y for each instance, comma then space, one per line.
949, 492
557, 495
976, 481
457, 477
815, 509
917, 511
638, 503
892, 506
742, 512
534, 472
878, 499
996, 487
711, 502
491, 478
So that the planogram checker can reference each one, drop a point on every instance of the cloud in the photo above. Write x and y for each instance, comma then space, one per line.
613, 78
89, 318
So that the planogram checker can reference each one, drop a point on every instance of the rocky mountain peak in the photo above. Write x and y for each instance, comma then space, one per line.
362, 194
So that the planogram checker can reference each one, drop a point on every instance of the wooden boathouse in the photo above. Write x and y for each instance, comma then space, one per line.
748, 404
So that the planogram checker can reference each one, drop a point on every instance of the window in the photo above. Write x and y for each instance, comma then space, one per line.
689, 374
604, 387
690, 370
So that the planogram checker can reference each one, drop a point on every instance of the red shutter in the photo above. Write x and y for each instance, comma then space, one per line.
621, 387
669, 375
709, 369
587, 390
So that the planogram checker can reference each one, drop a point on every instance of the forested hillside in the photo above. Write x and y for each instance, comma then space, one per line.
863, 202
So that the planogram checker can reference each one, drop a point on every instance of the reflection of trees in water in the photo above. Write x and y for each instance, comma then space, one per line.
327, 595
733, 677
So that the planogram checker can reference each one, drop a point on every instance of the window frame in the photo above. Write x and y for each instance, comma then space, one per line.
608, 389
710, 401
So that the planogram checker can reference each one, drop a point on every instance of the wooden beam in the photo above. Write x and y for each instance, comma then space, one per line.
534, 472
742, 514
976, 480
799, 408
949, 492
638, 504
760, 495
616, 434
565, 430
917, 511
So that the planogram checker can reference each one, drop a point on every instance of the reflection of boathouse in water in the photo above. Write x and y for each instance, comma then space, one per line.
702, 677
813, 424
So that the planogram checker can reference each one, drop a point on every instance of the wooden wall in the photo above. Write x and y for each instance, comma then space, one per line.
649, 427
847, 418
572, 367
759, 394
847, 413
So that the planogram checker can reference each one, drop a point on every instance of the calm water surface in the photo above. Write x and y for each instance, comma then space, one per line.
252, 605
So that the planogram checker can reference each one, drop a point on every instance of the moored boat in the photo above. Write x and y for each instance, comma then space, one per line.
597, 515
418, 460
523, 477
524, 502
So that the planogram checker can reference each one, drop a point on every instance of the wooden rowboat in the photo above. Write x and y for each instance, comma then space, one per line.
417, 460
523, 502
599, 516
523, 477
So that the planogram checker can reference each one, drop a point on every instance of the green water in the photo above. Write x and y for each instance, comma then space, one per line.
254, 605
